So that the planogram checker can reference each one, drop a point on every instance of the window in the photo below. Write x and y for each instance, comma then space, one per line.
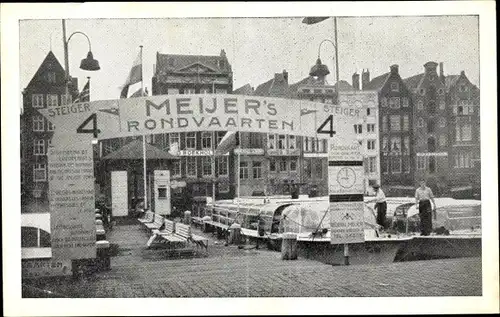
206, 140
396, 164
66, 100
191, 166
431, 126
272, 165
431, 108
257, 170
188, 91
282, 165
421, 162
50, 126
49, 143
292, 142
38, 124
370, 144
318, 164
394, 103
442, 105
206, 166
174, 138
372, 164
385, 144
406, 164
463, 160
223, 165
243, 170
420, 123
395, 123
385, 124
223, 187
176, 168
431, 145
271, 141
432, 164
221, 91
281, 142
37, 101
307, 144
406, 122
307, 168
256, 140
38, 147
406, 102
39, 173
396, 144
421, 91
368, 111
442, 122
384, 102
51, 77
370, 127
293, 165
204, 91
442, 140
190, 140
172, 91
150, 139
394, 86
420, 105
220, 135
164, 141
321, 146
463, 131
52, 101
406, 145
358, 128
385, 165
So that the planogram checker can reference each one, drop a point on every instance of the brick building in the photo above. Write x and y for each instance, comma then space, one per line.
430, 127
395, 125
46, 89
464, 138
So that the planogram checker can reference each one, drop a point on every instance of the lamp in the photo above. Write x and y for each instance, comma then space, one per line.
319, 70
90, 63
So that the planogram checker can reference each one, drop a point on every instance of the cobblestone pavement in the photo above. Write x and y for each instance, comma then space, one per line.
232, 272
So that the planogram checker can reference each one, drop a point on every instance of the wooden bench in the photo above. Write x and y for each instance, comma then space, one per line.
156, 224
184, 231
197, 221
147, 217
166, 235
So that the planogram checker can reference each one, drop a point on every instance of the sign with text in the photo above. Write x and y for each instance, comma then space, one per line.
37, 268
347, 222
345, 179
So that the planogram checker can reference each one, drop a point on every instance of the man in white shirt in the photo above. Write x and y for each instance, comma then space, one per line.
380, 205
423, 198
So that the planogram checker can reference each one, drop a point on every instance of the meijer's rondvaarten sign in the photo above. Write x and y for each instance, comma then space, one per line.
71, 183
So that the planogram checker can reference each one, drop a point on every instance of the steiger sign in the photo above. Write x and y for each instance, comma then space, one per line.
71, 179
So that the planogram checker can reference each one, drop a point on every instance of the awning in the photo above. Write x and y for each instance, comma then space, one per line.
133, 151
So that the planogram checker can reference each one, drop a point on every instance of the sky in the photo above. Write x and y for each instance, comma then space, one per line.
256, 47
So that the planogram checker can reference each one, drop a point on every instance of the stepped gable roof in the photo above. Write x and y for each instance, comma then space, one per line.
177, 62
376, 83
133, 151
414, 81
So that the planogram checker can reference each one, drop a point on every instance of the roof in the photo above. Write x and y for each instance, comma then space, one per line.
244, 90
414, 81
309, 81
50, 63
343, 85
277, 87
177, 63
133, 151
376, 83
450, 81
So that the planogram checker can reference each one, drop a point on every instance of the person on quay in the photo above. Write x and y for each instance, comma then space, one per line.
423, 198
380, 205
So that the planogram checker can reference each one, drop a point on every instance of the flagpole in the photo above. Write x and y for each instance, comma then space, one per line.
213, 165
144, 150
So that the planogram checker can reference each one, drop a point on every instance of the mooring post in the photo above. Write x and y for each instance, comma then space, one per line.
346, 254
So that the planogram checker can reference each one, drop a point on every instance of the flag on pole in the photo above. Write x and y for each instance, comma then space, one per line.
138, 93
84, 96
134, 76
313, 20
229, 142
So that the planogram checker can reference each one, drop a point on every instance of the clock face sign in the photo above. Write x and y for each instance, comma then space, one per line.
346, 177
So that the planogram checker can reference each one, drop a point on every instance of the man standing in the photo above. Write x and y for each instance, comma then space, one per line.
380, 205
423, 198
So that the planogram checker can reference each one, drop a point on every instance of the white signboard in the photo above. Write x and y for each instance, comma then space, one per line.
345, 180
119, 193
347, 222
36, 268
249, 151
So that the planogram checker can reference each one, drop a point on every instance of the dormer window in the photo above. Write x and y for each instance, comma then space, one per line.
432, 77
394, 86
422, 91
51, 77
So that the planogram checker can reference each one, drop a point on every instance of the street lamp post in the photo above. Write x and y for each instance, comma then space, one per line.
88, 63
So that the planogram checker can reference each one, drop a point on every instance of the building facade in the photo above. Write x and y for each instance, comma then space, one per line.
464, 156
395, 127
46, 89
431, 137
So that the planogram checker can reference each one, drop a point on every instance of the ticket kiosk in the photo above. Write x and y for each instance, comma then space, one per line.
162, 195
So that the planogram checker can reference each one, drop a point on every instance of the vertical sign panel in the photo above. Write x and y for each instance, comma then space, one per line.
119, 193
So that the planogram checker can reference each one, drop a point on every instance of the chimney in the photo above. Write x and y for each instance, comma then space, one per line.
394, 69
462, 73
222, 53
285, 75
355, 81
365, 77
441, 72
430, 67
